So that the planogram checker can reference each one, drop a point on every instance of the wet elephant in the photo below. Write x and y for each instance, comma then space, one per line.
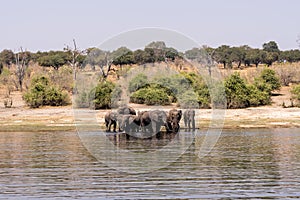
173, 119
124, 110
189, 119
153, 120
111, 119
130, 123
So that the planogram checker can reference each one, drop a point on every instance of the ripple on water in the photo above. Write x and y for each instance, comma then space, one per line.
248, 164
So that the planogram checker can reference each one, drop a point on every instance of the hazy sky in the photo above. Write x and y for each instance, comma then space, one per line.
43, 25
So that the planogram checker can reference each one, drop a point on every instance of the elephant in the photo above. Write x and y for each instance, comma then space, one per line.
126, 110
173, 119
153, 120
189, 118
111, 119
130, 123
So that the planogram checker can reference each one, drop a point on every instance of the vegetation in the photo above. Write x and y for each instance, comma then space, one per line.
53, 72
268, 81
151, 95
42, 93
242, 95
101, 95
296, 94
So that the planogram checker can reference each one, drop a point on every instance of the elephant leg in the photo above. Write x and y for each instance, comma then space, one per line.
154, 128
106, 125
114, 126
109, 126
193, 124
189, 123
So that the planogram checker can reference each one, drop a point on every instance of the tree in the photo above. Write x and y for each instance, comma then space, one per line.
22, 59
253, 56
139, 56
268, 81
236, 92
271, 47
269, 57
290, 55
122, 56
138, 82
156, 45
222, 55
7, 57
75, 54
171, 53
238, 55
54, 59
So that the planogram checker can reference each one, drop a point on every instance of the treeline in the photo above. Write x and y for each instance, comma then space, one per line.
187, 90
155, 52
245, 55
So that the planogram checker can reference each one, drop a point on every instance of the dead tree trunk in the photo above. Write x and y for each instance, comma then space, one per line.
75, 52
21, 66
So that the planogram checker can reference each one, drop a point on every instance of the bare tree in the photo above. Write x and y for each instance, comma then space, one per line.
75, 53
105, 67
22, 60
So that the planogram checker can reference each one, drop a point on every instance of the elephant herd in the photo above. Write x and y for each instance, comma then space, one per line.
148, 122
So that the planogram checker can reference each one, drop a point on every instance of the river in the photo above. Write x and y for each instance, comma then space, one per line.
243, 164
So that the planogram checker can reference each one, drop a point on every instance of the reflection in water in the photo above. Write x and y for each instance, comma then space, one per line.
253, 164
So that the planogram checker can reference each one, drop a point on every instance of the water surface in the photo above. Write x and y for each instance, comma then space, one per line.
243, 164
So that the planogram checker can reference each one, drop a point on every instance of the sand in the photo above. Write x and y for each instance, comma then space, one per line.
21, 118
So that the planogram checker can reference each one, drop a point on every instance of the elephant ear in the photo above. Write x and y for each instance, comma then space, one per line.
153, 116
131, 119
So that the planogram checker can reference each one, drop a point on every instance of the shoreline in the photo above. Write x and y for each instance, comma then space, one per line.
23, 119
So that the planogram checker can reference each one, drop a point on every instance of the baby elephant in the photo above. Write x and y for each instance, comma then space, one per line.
111, 119
189, 118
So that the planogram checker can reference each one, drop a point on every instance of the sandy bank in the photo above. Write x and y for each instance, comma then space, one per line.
62, 118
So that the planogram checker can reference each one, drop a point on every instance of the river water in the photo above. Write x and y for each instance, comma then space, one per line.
243, 164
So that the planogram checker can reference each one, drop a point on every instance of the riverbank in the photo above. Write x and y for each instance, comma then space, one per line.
62, 118
22, 118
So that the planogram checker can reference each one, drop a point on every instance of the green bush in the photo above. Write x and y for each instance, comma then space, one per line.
82, 100
295, 91
268, 81
150, 95
55, 97
42, 93
236, 92
101, 95
138, 82
189, 99
257, 97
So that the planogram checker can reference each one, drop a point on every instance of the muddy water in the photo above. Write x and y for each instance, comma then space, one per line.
243, 164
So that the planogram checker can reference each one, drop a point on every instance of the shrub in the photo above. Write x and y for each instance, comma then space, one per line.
200, 88
56, 97
189, 99
268, 81
101, 95
41, 93
295, 91
137, 82
236, 92
82, 100
257, 97
151, 95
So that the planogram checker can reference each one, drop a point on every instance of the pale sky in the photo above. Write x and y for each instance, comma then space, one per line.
45, 25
